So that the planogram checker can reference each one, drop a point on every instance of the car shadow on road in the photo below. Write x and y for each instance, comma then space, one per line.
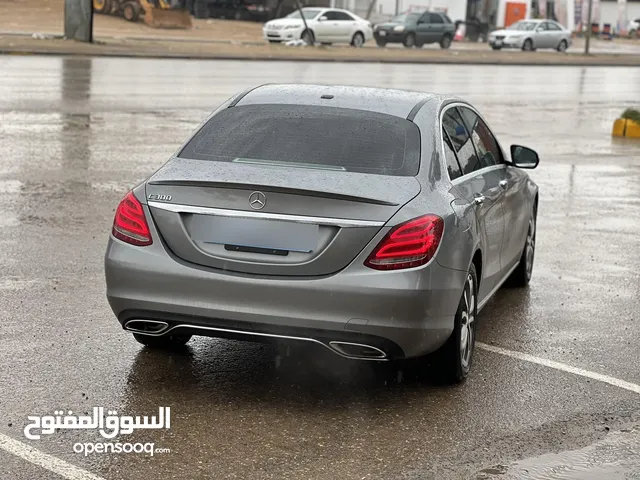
219, 370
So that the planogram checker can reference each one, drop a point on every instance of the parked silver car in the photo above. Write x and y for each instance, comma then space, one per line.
375, 223
530, 35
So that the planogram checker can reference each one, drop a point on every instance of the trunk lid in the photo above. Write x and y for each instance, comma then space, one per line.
270, 220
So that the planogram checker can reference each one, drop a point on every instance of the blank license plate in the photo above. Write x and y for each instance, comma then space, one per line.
256, 233
383, 33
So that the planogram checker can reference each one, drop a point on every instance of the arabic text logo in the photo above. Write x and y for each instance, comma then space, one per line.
109, 427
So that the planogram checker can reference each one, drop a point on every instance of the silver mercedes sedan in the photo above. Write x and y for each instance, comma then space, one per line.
374, 223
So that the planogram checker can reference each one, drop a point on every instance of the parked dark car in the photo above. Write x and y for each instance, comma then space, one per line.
416, 29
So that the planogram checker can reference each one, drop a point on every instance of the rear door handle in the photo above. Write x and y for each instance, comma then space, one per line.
503, 183
479, 199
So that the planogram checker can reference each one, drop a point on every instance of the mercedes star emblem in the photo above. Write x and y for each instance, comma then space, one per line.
257, 200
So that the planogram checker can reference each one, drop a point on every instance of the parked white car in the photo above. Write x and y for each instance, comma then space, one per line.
530, 35
634, 27
324, 25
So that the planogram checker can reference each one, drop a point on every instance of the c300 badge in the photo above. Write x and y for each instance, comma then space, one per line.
162, 198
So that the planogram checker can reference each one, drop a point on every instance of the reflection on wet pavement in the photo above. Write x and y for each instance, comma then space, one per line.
613, 458
77, 133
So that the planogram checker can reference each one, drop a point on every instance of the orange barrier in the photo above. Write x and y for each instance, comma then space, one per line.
623, 127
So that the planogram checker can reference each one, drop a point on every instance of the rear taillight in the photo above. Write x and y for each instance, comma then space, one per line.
130, 224
408, 245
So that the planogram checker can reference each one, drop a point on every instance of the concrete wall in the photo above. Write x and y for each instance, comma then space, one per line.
384, 9
609, 12
605, 11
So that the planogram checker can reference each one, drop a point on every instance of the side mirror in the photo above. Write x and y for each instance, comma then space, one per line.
523, 157
322, 19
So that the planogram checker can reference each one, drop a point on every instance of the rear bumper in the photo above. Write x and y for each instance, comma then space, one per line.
405, 313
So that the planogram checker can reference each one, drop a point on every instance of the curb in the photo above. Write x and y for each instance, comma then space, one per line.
101, 38
623, 127
452, 60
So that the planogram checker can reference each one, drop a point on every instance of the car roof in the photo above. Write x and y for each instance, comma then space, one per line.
325, 9
395, 102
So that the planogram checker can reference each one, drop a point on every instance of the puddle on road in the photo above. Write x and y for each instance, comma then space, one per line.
615, 457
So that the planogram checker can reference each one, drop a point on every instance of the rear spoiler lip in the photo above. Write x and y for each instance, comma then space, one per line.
274, 189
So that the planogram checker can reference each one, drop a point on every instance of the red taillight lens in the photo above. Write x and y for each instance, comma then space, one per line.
408, 245
130, 224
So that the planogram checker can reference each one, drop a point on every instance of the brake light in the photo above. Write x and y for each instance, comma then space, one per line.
130, 224
408, 245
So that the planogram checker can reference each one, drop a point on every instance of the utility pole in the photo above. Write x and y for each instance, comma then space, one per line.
397, 7
78, 20
589, 13
304, 21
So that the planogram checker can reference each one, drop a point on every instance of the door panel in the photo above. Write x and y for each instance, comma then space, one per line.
423, 29
345, 26
478, 180
517, 210
324, 29
490, 216
541, 36
437, 26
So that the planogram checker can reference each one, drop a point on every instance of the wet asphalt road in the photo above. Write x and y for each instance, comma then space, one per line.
77, 133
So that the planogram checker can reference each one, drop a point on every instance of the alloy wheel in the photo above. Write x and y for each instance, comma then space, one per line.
468, 322
530, 247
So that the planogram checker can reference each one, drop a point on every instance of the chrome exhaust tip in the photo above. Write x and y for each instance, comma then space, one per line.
147, 327
358, 351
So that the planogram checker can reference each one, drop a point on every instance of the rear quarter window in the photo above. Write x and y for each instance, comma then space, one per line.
309, 137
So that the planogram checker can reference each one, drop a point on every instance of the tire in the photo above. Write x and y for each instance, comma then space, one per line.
563, 46
165, 342
308, 37
357, 40
456, 356
409, 40
274, 41
497, 48
445, 42
527, 46
522, 274
326, 44
102, 6
381, 43
419, 45
130, 12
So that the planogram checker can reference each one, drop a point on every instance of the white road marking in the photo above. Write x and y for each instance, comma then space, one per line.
44, 460
632, 387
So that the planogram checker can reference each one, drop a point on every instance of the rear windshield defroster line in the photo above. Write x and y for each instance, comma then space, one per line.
333, 138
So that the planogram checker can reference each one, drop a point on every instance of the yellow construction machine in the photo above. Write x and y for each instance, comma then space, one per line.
156, 13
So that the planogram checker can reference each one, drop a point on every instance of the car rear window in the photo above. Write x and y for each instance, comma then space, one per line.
309, 136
